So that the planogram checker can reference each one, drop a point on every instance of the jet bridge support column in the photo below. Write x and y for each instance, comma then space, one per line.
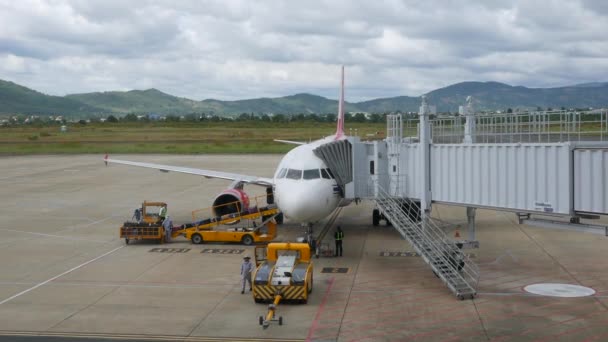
469, 126
425, 160
471, 223
469, 138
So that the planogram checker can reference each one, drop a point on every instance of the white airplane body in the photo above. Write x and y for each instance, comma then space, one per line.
304, 188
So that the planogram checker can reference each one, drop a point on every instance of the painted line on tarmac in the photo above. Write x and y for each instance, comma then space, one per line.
124, 284
315, 323
139, 337
60, 275
76, 226
51, 235
525, 294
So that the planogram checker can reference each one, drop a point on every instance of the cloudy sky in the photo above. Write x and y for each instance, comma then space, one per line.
245, 49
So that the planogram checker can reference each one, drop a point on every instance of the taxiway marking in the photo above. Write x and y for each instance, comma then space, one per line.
52, 235
60, 275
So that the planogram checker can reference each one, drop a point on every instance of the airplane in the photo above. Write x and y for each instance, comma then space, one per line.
304, 189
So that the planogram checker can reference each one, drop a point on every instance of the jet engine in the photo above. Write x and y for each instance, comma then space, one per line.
230, 201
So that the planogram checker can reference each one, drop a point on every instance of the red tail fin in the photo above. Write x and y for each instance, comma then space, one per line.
340, 128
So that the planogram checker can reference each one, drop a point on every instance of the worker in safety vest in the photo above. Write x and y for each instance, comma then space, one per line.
246, 270
339, 236
162, 213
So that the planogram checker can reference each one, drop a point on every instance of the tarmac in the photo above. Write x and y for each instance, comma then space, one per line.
66, 275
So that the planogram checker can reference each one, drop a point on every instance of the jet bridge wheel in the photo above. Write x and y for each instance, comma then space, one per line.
196, 239
376, 217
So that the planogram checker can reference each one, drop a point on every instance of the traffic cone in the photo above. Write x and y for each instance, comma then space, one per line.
457, 233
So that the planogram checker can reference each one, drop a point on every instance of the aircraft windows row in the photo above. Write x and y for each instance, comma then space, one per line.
308, 174
312, 174
294, 174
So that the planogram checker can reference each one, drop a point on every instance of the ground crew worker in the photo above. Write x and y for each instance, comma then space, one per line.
168, 226
137, 215
246, 270
339, 236
162, 213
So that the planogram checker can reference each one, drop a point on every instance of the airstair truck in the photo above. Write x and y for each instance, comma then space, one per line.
284, 273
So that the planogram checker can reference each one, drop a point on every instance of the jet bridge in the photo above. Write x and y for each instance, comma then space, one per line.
555, 178
337, 155
541, 164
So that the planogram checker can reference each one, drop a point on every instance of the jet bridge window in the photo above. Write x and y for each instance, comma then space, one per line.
324, 174
312, 174
282, 173
294, 174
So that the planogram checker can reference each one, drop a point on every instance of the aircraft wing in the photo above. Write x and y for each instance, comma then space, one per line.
199, 172
290, 142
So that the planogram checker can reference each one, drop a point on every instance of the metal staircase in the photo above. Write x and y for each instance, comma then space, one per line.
445, 256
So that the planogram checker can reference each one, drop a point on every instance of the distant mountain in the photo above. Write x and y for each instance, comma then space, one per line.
294, 104
390, 104
138, 101
15, 99
487, 96
591, 84
496, 96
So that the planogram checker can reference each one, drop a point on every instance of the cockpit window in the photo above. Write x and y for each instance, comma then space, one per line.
324, 174
282, 173
330, 174
312, 174
294, 174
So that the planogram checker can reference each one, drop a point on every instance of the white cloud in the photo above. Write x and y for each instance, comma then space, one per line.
244, 49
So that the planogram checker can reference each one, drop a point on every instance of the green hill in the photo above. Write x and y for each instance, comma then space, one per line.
496, 96
487, 95
294, 104
138, 101
16, 99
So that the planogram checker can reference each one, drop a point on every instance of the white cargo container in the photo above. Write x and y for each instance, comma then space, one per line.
591, 180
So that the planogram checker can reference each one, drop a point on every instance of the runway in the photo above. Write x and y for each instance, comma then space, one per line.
65, 272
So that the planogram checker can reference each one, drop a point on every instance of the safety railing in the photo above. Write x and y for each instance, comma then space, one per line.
521, 127
208, 217
444, 255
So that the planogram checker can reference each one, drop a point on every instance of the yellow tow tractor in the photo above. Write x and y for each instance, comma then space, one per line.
283, 274
147, 225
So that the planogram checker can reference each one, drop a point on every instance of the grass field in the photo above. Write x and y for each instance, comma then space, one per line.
181, 138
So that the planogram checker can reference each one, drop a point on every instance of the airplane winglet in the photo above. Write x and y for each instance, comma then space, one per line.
340, 125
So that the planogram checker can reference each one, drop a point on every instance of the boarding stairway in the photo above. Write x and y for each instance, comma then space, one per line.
445, 256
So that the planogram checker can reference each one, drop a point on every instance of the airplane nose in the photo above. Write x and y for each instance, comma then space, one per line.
301, 205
